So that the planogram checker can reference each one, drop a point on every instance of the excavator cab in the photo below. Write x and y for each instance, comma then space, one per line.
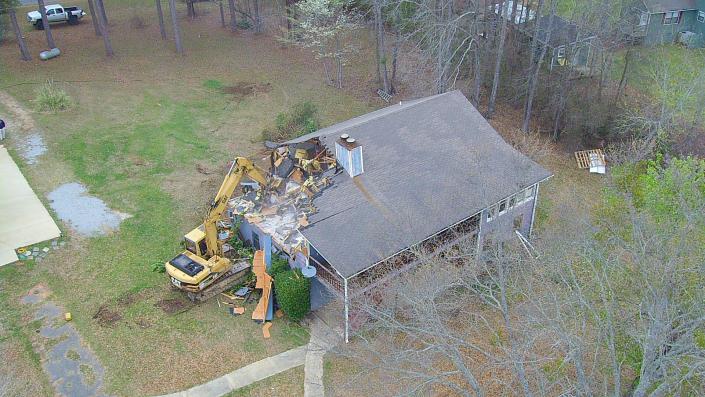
195, 241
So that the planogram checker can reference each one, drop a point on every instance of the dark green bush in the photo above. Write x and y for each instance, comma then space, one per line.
279, 265
293, 293
300, 120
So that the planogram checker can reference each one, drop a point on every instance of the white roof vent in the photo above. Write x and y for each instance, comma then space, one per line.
344, 136
350, 140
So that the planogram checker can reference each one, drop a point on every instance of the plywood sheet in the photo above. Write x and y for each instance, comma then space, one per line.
23, 218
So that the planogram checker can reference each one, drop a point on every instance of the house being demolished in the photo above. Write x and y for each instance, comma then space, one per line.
357, 199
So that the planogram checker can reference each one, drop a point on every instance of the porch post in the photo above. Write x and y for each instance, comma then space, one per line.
533, 210
347, 321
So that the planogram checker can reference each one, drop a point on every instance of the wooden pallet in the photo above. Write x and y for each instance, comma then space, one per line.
583, 157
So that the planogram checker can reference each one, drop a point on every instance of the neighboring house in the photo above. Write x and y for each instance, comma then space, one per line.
430, 173
656, 22
567, 43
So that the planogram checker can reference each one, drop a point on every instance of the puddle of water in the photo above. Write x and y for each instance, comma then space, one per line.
73, 369
86, 214
32, 148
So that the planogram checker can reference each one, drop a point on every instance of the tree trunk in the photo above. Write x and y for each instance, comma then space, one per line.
381, 49
104, 31
222, 13
288, 5
160, 17
339, 63
536, 69
94, 18
45, 24
498, 62
233, 16
175, 24
103, 15
477, 78
395, 55
623, 79
190, 10
258, 22
18, 35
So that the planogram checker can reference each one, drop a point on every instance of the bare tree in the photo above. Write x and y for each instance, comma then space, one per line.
160, 17
104, 32
536, 66
45, 24
233, 15
175, 24
504, 17
101, 9
94, 17
18, 32
322, 25
222, 13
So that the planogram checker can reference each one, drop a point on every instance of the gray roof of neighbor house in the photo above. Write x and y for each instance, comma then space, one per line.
659, 6
428, 164
562, 31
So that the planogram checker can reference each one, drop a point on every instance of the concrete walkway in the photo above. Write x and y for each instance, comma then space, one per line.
247, 375
323, 338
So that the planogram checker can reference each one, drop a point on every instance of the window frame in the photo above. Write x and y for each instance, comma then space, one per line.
644, 18
668, 17
701, 16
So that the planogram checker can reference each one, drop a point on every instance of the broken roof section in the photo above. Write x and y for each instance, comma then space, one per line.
429, 163
298, 173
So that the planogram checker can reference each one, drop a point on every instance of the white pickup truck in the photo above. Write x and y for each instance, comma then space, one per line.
56, 13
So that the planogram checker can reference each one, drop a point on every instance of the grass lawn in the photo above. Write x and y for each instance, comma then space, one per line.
142, 126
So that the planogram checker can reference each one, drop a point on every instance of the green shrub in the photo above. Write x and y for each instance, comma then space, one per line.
300, 120
293, 293
279, 265
244, 24
214, 85
51, 98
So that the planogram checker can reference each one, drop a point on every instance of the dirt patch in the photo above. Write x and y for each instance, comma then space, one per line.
243, 89
106, 317
171, 306
143, 323
36, 294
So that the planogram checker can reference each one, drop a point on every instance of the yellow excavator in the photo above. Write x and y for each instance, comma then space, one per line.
202, 271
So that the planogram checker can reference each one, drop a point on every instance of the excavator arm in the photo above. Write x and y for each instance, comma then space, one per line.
240, 168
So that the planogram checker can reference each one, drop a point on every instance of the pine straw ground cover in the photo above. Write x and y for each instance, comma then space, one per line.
142, 128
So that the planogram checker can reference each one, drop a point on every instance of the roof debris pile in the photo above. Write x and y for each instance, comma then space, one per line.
298, 173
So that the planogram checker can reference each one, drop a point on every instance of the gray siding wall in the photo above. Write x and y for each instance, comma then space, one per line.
501, 227
658, 33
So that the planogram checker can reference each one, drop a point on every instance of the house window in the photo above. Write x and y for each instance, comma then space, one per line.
701, 16
529, 193
491, 213
502, 207
560, 56
672, 18
644, 19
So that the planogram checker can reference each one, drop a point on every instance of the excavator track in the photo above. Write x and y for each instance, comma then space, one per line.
238, 272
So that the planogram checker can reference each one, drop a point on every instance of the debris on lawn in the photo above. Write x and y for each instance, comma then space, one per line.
237, 310
106, 317
593, 159
171, 306
67, 316
265, 330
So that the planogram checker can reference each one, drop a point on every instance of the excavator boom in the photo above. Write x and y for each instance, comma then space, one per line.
202, 271
240, 168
